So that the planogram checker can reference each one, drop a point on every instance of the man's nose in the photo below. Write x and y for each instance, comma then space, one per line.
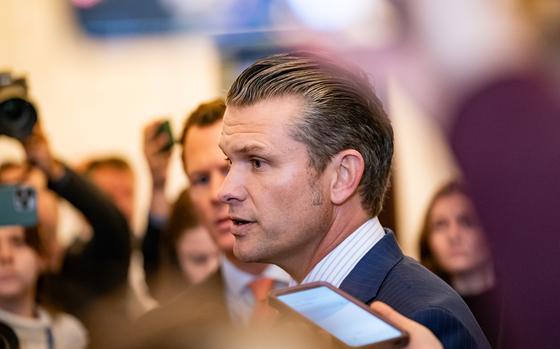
215, 185
232, 189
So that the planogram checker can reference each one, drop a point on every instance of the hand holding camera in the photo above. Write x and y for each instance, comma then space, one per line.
38, 154
18, 119
17, 113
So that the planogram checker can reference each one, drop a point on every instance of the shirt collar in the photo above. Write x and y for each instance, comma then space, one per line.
336, 265
237, 280
42, 321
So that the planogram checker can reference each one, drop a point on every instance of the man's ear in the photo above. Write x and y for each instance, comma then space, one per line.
347, 169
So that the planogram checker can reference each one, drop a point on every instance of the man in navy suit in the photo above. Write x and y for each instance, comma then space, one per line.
310, 150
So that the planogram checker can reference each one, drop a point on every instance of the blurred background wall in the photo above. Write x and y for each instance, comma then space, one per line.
96, 92
94, 96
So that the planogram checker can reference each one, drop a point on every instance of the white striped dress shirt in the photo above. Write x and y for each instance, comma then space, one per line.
336, 266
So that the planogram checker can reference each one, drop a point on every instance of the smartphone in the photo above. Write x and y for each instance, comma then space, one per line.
350, 322
165, 127
18, 205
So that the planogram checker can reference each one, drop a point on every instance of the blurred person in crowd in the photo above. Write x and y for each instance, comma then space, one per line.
47, 206
114, 176
191, 247
505, 136
157, 156
23, 258
228, 296
453, 245
310, 151
177, 250
189, 254
92, 276
206, 168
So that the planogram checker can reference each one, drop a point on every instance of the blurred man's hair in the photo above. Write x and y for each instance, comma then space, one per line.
114, 162
206, 114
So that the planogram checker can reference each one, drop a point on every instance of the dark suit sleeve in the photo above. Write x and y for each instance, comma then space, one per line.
102, 263
446, 327
152, 251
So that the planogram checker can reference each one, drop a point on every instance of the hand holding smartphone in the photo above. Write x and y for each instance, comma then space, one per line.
165, 128
350, 322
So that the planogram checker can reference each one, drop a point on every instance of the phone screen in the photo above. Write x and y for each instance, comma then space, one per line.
337, 315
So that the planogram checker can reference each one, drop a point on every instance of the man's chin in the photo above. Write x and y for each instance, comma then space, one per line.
243, 254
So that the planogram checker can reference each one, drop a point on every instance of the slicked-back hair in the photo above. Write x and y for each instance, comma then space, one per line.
206, 114
341, 112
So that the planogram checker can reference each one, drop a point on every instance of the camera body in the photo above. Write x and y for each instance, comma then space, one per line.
17, 113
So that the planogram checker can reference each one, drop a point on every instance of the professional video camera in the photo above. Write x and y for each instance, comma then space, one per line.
17, 114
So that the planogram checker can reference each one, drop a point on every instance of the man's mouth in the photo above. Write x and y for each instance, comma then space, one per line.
240, 221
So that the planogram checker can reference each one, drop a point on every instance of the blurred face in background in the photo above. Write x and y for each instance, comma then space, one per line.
197, 254
206, 168
456, 238
118, 184
20, 265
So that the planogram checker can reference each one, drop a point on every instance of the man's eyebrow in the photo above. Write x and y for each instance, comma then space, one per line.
249, 148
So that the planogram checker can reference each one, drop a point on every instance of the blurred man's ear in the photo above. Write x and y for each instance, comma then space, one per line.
347, 169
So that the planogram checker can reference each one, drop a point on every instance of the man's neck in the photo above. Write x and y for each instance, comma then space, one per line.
344, 223
251, 268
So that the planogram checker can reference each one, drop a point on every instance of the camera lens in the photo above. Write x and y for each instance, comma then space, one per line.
12, 109
17, 118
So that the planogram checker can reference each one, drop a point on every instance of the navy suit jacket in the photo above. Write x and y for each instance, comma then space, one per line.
385, 274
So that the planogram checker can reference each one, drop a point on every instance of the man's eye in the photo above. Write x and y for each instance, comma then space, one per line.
203, 180
256, 163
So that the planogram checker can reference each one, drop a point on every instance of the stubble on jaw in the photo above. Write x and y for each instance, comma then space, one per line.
317, 198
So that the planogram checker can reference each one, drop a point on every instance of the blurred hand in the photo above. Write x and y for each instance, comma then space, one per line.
420, 336
158, 161
38, 153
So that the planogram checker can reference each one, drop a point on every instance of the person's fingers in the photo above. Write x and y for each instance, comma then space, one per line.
162, 140
420, 337
153, 142
390, 314
151, 129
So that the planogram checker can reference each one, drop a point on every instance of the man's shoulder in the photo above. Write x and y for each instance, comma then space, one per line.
421, 295
412, 285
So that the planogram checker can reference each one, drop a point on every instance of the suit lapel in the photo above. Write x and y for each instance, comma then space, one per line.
366, 278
